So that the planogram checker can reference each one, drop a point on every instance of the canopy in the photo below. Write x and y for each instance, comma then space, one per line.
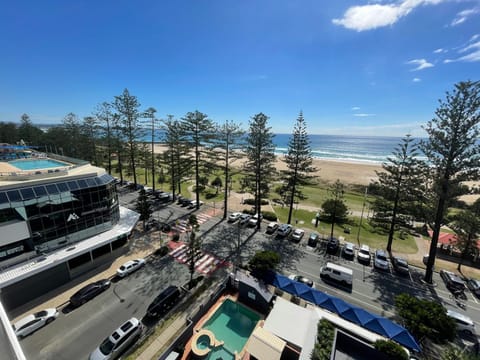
359, 316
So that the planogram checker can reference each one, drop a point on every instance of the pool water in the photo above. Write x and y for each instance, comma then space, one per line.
203, 342
233, 324
35, 164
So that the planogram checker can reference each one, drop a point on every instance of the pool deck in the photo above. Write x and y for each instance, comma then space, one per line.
5, 167
187, 354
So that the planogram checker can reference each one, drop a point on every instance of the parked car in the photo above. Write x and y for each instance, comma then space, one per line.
400, 265
464, 323
363, 255
89, 292
271, 228
33, 322
348, 250
313, 239
130, 266
254, 220
474, 286
164, 301
452, 281
244, 218
333, 245
380, 260
185, 202
297, 235
193, 204
302, 279
284, 230
164, 197
234, 217
119, 341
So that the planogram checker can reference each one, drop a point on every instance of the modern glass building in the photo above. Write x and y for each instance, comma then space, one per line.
43, 215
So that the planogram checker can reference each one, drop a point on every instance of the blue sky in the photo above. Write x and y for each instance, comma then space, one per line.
360, 68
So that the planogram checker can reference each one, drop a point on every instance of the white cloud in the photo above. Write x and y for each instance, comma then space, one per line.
463, 15
439, 51
363, 115
355, 108
420, 64
472, 48
416, 79
373, 16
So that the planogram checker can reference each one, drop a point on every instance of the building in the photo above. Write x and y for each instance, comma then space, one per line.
59, 217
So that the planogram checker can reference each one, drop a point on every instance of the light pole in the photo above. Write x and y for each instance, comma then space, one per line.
361, 216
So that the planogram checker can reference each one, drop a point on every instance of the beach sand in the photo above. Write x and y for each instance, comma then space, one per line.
349, 173
327, 170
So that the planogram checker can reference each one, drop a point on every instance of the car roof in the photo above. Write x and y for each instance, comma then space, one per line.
348, 245
459, 316
24, 321
401, 261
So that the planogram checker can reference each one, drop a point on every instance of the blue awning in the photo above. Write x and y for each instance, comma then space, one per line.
359, 316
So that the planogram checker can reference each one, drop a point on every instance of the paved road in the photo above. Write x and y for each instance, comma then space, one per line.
76, 333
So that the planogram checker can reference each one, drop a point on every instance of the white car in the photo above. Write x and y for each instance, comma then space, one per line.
298, 235
253, 221
33, 322
116, 344
363, 255
349, 250
464, 323
381, 260
130, 266
234, 216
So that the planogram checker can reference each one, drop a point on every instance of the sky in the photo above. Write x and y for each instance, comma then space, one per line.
351, 67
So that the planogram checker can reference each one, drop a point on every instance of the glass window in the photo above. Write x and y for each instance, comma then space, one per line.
52, 189
3, 198
91, 182
98, 181
62, 187
14, 195
27, 193
72, 185
82, 184
40, 191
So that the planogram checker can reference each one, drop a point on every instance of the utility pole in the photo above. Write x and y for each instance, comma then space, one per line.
361, 216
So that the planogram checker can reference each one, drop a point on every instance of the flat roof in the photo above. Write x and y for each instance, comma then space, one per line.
11, 275
77, 170
302, 334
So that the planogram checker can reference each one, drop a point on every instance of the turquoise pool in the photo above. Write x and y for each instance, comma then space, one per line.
35, 164
233, 324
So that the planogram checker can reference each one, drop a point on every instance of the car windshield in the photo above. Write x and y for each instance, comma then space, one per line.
106, 347
402, 263
381, 257
364, 251
40, 314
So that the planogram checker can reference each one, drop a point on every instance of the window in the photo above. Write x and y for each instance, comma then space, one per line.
52, 189
14, 195
125, 327
40, 191
27, 194
3, 198
72, 185
62, 187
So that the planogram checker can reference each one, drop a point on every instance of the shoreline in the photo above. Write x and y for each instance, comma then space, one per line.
348, 172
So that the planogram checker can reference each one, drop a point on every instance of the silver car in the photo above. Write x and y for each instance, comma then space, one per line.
33, 322
129, 267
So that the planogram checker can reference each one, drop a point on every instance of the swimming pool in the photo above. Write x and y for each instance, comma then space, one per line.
233, 324
34, 164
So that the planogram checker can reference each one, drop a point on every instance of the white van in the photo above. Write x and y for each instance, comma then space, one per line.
464, 323
331, 271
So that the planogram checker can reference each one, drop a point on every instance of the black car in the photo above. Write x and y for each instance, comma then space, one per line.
313, 239
89, 292
474, 286
164, 301
400, 266
453, 282
333, 245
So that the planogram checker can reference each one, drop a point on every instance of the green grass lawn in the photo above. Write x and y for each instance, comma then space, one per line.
368, 235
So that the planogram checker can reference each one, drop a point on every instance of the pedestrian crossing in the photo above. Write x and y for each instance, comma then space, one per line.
205, 264
181, 225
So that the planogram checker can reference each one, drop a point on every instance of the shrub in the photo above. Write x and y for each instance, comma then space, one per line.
176, 237
162, 251
251, 201
324, 342
391, 349
264, 261
210, 195
270, 216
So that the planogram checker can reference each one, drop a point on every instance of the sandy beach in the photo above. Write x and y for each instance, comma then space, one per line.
327, 171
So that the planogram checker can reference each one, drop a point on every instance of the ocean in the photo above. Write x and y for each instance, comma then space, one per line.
365, 149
